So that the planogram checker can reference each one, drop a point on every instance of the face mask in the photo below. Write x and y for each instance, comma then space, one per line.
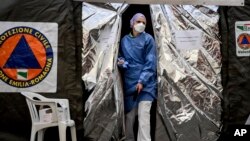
140, 27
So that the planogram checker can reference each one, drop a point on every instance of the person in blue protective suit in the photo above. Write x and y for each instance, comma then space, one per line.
137, 58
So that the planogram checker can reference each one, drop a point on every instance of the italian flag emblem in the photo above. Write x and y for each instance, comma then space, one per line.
22, 74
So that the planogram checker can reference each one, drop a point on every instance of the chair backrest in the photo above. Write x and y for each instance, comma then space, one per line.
37, 102
63, 104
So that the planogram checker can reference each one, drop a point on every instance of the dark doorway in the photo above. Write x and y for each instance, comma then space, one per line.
129, 13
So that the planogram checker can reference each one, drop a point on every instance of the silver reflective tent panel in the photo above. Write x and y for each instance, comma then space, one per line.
189, 67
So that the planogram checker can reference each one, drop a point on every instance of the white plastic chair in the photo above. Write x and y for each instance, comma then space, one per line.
57, 107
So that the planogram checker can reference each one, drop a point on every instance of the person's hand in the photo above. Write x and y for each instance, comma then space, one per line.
139, 87
120, 62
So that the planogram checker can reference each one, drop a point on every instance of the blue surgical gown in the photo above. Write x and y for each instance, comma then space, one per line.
139, 53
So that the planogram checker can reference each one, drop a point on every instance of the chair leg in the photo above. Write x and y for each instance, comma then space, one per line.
73, 133
33, 134
62, 131
41, 135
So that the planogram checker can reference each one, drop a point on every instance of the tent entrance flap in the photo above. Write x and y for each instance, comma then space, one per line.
189, 80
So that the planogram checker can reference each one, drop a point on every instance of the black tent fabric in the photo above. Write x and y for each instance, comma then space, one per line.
236, 78
14, 115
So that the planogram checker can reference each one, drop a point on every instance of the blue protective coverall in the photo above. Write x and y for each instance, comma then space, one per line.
139, 54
